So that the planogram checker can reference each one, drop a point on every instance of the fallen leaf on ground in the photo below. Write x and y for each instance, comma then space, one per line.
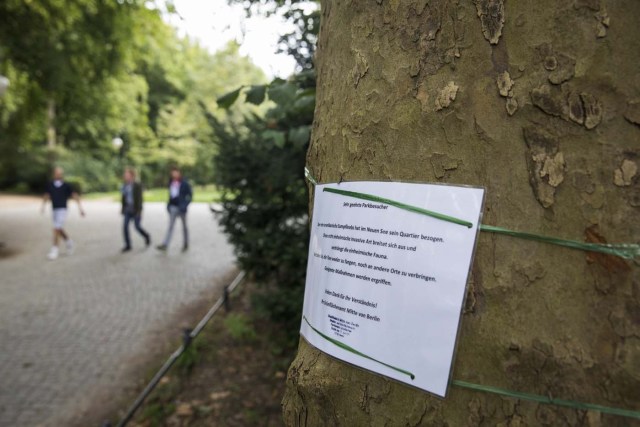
184, 410
217, 395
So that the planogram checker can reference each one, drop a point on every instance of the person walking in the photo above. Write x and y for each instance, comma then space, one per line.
180, 196
59, 192
132, 208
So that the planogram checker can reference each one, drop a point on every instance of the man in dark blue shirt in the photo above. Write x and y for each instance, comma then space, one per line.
59, 192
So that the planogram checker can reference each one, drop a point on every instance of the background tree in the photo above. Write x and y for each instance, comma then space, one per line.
57, 53
303, 15
65, 44
539, 104
111, 69
301, 42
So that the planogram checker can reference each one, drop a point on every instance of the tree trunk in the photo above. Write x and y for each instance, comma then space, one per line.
51, 123
539, 102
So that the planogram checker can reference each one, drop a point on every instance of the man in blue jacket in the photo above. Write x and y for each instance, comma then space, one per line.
180, 196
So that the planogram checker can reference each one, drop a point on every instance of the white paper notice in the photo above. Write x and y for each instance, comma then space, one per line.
385, 285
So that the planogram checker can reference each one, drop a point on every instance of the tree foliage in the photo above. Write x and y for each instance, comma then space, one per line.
301, 43
62, 43
303, 15
113, 69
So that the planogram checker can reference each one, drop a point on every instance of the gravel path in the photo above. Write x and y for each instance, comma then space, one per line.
70, 328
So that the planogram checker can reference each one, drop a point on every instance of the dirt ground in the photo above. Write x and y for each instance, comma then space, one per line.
232, 375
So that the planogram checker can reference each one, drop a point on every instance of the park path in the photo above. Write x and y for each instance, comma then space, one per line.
70, 329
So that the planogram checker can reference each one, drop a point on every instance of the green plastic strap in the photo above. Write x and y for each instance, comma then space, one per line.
548, 400
622, 250
354, 351
400, 205
310, 177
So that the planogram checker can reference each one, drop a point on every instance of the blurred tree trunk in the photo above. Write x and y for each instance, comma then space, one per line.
51, 123
539, 103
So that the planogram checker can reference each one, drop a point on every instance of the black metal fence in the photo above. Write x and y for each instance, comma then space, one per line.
188, 336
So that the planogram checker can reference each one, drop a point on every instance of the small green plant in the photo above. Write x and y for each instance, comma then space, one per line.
240, 327
188, 359
193, 354
251, 416
157, 412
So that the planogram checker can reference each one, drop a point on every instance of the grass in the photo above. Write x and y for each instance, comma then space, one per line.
240, 328
201, 194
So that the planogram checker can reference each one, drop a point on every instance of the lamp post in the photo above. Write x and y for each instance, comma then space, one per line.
118, 144
4, 84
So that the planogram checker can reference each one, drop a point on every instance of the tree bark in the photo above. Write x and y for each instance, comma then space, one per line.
51, 123
539, 102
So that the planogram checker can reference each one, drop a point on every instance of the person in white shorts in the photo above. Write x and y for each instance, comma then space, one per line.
59, 192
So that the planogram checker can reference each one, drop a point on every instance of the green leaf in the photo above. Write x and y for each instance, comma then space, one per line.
170, 7
299, 135
304, 105
227, 100
305, 75
282, 94
276, 113
255, 94
276, 136
307, 92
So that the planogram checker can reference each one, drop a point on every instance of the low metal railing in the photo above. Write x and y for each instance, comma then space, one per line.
188, 336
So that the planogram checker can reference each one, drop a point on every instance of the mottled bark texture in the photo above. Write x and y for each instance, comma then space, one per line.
539, 103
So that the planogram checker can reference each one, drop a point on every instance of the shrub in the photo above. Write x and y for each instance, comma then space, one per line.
260, 170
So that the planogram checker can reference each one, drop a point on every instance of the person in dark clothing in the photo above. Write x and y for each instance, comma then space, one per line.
59, 192
180, 196
132, 208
